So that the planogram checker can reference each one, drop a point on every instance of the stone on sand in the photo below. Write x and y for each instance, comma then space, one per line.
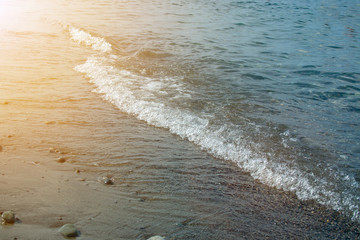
156, 238
8, 217
61, 160
69, 230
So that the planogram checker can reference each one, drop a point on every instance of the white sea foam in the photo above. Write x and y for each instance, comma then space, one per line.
97, 43
136, 95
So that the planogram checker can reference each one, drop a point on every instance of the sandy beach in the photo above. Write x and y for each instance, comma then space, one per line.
49, 179
41, 198
40, 183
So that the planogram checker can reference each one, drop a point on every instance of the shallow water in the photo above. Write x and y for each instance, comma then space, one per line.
272, 87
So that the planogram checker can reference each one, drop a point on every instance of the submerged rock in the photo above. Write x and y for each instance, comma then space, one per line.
156, 238
186, 222
69, 230
8, 217
107, 180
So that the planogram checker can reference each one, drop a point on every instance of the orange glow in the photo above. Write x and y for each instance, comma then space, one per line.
14, 16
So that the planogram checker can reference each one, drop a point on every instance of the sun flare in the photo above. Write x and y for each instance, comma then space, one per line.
8, 15
5, 8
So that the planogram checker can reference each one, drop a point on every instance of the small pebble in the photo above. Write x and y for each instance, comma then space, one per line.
156, 238
77, 171
69, 230
61, 160
8, 217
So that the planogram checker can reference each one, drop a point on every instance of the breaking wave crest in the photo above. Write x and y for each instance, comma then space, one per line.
96, 43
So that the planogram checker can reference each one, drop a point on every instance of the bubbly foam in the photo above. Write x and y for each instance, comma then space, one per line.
136, 95
97, 43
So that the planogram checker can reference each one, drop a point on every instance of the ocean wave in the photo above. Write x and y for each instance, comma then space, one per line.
135, 95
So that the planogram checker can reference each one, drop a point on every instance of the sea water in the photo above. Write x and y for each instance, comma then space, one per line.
270, 86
